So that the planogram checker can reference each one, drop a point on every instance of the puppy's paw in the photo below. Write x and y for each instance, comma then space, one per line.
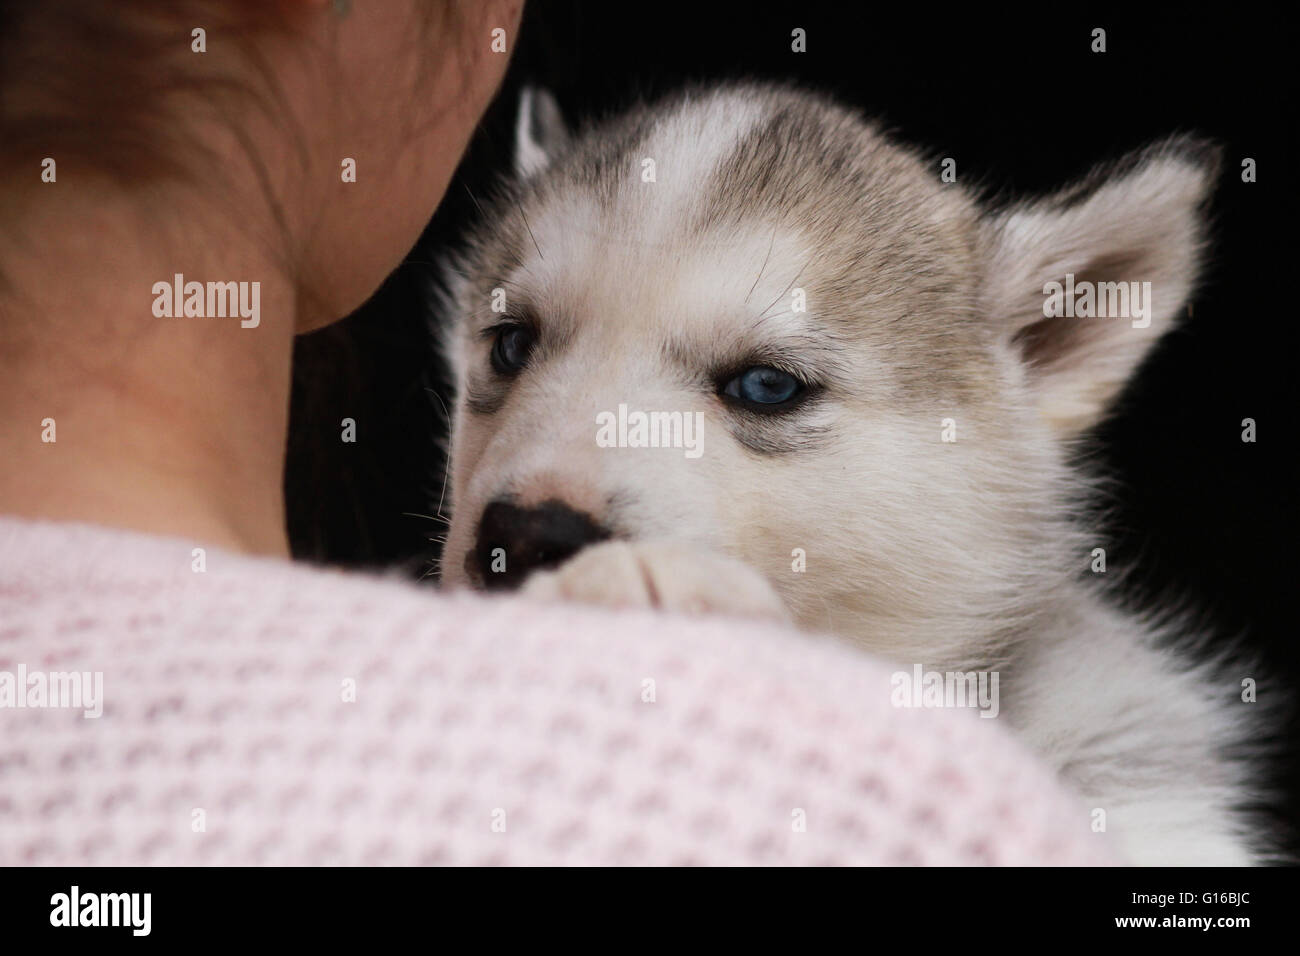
665, 575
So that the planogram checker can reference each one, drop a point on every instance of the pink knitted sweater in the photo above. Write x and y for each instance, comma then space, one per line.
259, 712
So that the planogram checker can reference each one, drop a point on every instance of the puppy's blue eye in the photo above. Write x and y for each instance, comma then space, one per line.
763, 385
511, 348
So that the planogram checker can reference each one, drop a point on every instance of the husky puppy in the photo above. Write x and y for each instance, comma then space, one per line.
843, 390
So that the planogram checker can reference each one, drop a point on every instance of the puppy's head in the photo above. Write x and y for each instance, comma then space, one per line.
746, 320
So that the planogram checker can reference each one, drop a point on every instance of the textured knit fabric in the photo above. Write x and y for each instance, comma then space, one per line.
483, 731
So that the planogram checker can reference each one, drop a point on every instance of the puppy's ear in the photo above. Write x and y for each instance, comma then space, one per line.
540, 132
1138, 221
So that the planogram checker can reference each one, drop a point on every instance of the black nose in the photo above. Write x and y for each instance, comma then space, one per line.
514, 542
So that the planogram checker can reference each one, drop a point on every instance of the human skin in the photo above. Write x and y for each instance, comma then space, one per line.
178, 426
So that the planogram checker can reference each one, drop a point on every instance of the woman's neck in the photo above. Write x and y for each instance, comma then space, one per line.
116, 410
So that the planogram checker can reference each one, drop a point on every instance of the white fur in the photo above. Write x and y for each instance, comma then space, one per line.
954, 555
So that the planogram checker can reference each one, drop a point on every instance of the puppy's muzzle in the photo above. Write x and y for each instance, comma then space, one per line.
514, 542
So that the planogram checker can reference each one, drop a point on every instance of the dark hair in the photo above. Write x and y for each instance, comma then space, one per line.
110, 84
115, 88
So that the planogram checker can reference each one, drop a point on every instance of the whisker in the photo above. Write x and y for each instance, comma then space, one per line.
762, 315
442, 497
473, 199
412, 514
763, 267
530, 230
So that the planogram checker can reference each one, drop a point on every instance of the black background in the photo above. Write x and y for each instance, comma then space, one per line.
1200, 519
